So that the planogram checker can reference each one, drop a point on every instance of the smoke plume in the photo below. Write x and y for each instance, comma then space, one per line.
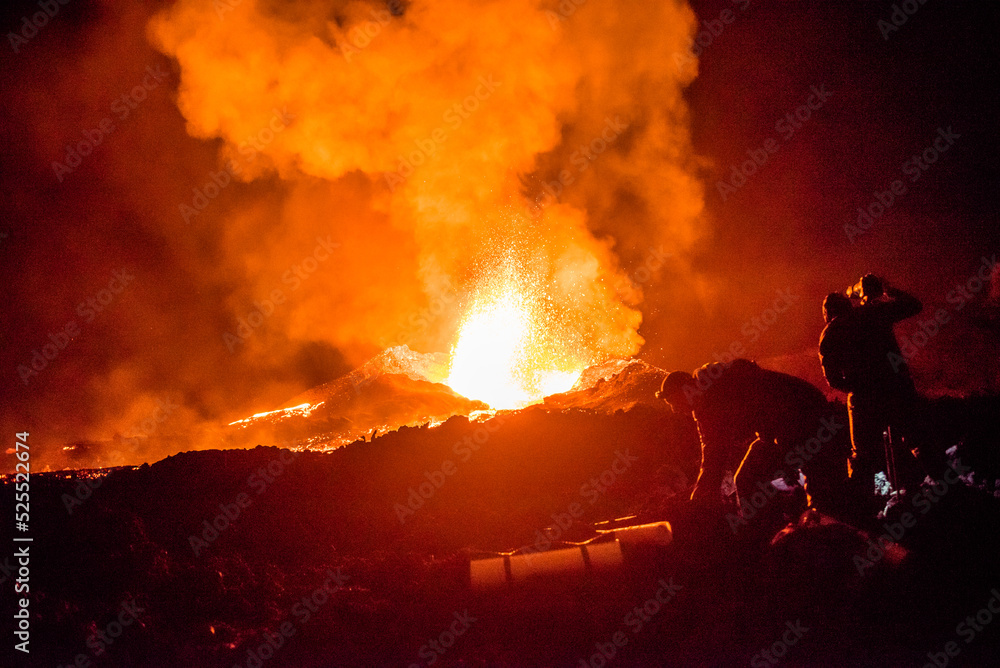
455, 125
353, 172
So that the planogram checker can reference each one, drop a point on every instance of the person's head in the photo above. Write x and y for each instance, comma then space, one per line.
834, 305
672, 390
871, 287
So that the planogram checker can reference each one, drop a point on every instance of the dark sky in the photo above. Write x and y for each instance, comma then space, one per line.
783, 230
785, 227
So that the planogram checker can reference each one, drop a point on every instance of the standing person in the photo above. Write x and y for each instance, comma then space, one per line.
838, 342
860, 356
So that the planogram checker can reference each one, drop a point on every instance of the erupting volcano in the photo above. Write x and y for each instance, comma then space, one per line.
361, 333
474, 179
511, 349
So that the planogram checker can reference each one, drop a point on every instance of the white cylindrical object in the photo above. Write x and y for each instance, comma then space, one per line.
655, 533
575, 561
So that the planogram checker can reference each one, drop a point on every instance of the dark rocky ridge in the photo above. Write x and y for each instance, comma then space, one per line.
316, 511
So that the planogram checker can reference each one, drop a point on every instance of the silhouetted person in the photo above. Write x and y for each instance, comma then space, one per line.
763, 425
860, 356
837, 357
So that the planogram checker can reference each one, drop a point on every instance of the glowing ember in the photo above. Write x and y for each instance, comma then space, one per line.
505, 355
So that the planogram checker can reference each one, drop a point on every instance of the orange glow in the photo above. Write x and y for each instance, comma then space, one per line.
302, 410
461, 130
508, 354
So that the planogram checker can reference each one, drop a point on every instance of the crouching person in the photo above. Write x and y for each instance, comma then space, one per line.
763, 425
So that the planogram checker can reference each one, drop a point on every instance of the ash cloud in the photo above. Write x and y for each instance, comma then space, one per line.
294, 130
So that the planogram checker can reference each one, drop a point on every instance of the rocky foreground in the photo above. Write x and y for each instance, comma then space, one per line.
360, 556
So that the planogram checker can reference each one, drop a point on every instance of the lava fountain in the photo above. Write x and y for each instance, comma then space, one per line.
510, 350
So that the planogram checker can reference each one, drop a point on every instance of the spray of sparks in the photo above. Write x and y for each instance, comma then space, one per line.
509, 352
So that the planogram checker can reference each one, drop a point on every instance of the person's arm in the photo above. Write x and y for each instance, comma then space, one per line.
905, 305
900, 305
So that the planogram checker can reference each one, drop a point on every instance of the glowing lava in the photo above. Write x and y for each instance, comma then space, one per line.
302, 409
506, 354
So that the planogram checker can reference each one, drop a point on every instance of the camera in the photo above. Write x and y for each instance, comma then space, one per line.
869, 287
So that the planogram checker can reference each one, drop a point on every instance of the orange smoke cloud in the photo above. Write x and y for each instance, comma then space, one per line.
340, 177
432, 140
